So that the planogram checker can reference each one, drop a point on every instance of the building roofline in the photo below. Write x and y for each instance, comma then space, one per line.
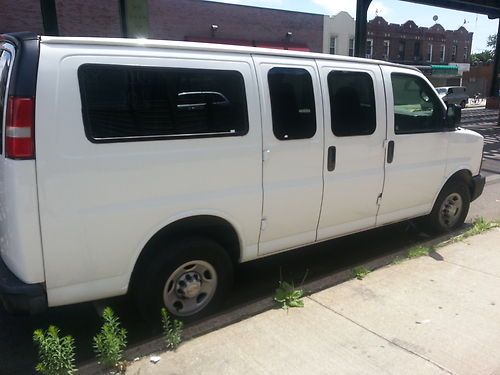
257, 7
208, 47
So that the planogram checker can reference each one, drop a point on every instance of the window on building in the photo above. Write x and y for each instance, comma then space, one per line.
454, 52
466, 53
352, 103
401, 50
429, 53
369, 48
128, 103
416, 51
416, 108
387, 45
351, 46
292, 103
333, 45
442, 53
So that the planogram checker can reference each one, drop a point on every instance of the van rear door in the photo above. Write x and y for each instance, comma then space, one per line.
20, 240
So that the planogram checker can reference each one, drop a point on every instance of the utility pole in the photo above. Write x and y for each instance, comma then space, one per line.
361, 27
49, 17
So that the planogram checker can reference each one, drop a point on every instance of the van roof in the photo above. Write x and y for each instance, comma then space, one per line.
209, 47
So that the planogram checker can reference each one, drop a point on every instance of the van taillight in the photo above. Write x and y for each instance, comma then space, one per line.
20, 128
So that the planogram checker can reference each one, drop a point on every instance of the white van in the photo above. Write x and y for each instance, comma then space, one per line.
152, 167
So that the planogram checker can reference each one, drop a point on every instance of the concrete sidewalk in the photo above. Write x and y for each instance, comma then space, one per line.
429, 315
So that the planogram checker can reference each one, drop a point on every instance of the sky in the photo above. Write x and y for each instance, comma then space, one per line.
394, 11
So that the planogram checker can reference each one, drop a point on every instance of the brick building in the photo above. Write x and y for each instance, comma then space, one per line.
194, 20
442, 55
411, 44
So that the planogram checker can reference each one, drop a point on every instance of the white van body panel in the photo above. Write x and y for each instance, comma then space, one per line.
465, 149
99, 202
351, 190
415, 176
20, 241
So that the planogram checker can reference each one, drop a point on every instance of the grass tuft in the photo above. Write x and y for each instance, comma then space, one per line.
360, 272
479, 225
419, 251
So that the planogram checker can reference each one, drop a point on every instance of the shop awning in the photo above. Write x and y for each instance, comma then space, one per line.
445, 70
284, 45
236, 42
250, 43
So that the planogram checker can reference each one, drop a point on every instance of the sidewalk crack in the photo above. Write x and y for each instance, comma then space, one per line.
471, 269
391, 342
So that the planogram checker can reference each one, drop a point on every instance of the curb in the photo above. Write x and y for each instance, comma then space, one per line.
156, 344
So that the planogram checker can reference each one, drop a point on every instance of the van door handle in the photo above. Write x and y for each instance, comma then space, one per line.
332, 158
390, 152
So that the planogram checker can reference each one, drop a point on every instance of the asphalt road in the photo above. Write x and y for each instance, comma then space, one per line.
255, 280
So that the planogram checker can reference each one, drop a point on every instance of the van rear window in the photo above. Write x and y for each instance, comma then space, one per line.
121, 103
5, 58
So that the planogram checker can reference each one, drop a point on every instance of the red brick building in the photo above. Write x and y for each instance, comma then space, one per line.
411, 44
194, 20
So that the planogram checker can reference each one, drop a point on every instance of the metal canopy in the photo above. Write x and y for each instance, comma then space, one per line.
490, 8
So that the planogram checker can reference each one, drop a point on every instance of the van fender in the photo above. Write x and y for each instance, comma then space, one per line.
174, 219
460, 171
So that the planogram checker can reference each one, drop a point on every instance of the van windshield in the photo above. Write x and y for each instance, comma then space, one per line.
4, 73
441, 90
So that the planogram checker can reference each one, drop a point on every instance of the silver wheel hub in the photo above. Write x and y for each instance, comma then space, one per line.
188, 285
450, 210
190, 288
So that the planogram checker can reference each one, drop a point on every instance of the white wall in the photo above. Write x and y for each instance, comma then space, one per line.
341, 26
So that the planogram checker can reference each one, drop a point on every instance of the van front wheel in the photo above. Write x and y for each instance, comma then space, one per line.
189, 277
451, 207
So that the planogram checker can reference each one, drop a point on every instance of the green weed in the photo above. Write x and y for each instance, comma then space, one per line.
111, 341
172, 330
479, 226
419, 251
360, 272
287, 296
56, 354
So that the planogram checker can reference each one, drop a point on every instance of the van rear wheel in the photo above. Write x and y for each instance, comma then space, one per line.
451, 207
190, 278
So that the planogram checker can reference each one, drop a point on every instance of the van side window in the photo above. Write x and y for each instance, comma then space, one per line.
416, 108
352, 103
292, 103
121, 103
4, 73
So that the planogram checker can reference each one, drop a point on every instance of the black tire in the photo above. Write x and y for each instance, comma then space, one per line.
463, 103
150, 284
446, 216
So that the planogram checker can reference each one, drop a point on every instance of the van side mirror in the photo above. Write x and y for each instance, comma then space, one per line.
453, 116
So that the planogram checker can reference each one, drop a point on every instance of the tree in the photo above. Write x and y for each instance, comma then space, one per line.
492, 42
484, 57
488, 55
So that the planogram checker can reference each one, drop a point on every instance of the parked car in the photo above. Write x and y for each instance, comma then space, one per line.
453, 95
153, 167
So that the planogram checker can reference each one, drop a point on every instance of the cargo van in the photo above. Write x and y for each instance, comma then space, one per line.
153, 167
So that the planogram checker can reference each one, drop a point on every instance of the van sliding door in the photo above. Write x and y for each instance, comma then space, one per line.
292, 122
355, 130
